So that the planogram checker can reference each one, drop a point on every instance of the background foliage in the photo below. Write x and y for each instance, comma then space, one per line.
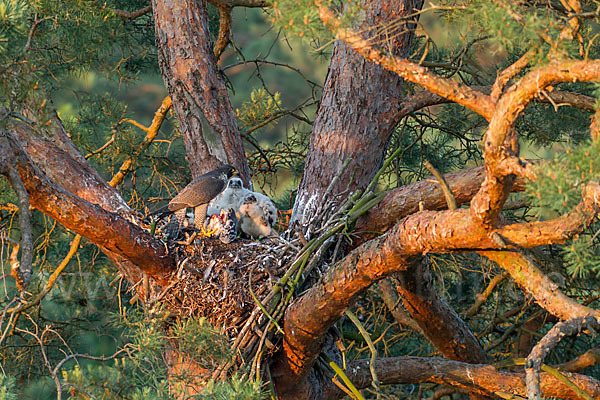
98, 70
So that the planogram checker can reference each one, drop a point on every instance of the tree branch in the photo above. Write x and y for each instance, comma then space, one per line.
23, 273
309, 317
412, 72
197, 88
224, 30
133, 14
440, 324
241, 3
571, 327
476, 378
500, 141
102, 227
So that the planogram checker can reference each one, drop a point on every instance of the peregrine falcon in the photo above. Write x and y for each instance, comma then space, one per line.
197, 194
258, 215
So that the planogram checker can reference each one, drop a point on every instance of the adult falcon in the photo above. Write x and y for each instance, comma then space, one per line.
197, 194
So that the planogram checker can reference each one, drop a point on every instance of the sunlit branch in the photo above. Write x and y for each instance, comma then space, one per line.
412, 72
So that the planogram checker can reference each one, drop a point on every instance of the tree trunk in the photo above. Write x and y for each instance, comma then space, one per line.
197, 88
357, 114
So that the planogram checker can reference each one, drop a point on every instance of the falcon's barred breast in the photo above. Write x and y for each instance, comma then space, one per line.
197, 194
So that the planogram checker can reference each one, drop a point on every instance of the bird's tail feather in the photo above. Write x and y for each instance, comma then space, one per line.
160, 213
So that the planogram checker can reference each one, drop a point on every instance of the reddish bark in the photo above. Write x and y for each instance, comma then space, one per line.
102, 227
533, 281
310, 316
477, 378
401, 202
440, 324
200, 98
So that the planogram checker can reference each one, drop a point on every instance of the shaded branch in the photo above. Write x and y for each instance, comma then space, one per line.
483, 296
22, 274
541, 350
587, 359
534, 282
133, 14
392, 302
476, 378
102, 227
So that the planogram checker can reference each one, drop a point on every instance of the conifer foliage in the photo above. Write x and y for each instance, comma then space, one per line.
439, 190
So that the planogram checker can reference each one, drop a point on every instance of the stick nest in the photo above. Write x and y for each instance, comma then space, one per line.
214, 280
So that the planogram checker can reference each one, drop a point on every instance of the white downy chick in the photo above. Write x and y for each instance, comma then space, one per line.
231, 197
258, 215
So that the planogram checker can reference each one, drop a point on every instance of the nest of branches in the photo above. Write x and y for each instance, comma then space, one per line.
243, 288
221, 282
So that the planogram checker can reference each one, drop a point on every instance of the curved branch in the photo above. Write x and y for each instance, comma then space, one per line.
500, 140
477, 378
102, 227
506, 75
412, 72
533, 281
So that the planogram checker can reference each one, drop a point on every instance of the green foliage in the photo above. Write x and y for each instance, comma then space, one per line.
201, 342
559, 186
235, 388
260, 107
8, 390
